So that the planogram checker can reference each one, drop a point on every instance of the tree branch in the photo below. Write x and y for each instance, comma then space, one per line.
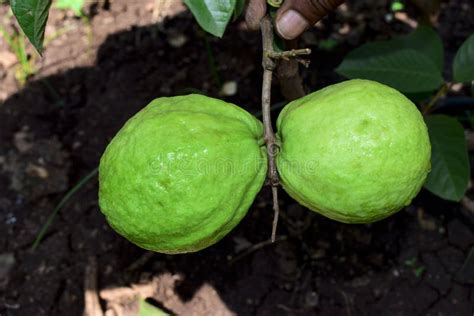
269, 64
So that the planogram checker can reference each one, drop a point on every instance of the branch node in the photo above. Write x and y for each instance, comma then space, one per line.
268, 63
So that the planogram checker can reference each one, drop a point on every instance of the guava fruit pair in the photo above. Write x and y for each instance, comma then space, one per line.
184, 170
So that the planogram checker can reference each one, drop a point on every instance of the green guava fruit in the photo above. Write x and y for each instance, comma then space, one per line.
355, 152
182, 173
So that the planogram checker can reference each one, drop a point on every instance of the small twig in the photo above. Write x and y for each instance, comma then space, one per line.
348, 302
439, 94
256, 247
276, 210
269, 65
60, 205
141, 261
289, 53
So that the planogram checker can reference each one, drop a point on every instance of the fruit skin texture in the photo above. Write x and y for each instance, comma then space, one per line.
182, 173
356, 151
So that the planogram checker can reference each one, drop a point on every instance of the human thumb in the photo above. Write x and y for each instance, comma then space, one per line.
295, 16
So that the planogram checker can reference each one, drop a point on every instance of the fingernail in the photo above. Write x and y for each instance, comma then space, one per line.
291, 24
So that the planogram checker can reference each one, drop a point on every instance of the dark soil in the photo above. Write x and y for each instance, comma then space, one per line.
53, 132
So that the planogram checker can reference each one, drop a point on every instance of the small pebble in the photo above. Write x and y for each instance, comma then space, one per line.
229, 88
177, 40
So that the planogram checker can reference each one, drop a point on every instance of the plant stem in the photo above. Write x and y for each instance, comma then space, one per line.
256, 247
269, 65
212, 62
269, 136
59, 206
439, 94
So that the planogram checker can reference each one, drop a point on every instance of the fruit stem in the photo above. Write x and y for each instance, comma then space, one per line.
443, 90
269, 65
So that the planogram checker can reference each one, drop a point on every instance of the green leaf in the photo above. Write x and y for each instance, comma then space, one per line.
463, 65
412, 63
449, 176
146, 309
74, 5
426, 41
32, 16
404, 69
212, 16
